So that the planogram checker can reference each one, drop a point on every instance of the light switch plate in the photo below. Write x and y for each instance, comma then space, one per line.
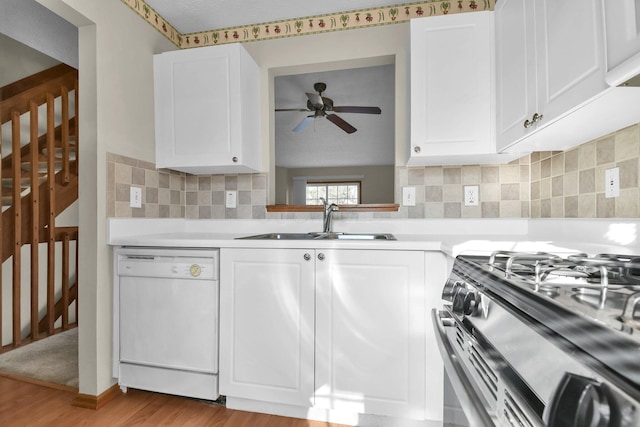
408, 196
230, 199
135, 197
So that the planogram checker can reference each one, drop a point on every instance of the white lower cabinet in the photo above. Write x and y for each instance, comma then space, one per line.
267, 325
336, 330
370, 332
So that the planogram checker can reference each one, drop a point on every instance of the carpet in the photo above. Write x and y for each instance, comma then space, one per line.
53, 359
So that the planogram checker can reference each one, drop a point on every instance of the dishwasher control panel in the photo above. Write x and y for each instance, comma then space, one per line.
195, 265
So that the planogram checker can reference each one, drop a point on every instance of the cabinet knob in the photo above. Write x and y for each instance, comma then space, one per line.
307, 257
321, 256
416, 149
536, 118
235, 159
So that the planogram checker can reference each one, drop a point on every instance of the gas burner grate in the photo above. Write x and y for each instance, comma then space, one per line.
547, 273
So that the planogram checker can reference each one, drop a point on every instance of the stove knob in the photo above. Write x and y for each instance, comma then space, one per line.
450, 289
579, 401
471, 303
457, 305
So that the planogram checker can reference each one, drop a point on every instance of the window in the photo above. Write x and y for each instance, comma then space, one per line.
340, 193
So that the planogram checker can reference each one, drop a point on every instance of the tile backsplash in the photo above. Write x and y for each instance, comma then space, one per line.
503, 190
562, 184
570, 184
171, 194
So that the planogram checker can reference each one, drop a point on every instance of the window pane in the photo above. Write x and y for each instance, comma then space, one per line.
322, 192
353, 192
332, 192
312, 193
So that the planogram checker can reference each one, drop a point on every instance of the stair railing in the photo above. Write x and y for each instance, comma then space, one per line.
37, 197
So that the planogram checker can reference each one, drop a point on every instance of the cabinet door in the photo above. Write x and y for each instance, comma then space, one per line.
205, 110
515, 69
570, 58
622, 27
545, 66
267, 325
452, 98
370, 332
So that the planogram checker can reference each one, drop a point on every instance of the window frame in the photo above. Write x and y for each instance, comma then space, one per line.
328, 183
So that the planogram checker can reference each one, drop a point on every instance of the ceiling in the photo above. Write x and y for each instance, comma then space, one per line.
323, 144
190, 16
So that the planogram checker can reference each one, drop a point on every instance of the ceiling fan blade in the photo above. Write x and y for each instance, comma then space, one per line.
292, 109
365, 110
303, 124
340, 123
316, 100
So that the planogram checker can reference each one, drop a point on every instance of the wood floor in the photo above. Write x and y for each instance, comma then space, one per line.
24, 404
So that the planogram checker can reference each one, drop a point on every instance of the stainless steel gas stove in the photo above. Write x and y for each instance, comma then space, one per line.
535, 339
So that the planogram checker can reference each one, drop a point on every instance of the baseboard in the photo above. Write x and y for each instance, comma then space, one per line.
96, 402
56, 386
325, 416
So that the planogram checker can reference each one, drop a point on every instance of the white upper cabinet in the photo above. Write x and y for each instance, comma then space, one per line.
452, 90
207, 117
622, 26
550, 59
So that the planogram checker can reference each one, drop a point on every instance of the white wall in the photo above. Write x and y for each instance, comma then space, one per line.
19, 60
116, 115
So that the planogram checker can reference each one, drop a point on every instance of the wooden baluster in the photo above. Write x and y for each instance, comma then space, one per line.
51, 243
35, 219
65, 135
77, 256
65, 281
77, 129
77, 162
1, 234
17, 224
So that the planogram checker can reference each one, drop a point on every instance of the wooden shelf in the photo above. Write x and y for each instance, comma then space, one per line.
382, 207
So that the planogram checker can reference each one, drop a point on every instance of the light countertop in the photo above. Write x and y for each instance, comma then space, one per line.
449, 236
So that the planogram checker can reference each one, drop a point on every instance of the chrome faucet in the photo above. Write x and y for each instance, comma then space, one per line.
328, 211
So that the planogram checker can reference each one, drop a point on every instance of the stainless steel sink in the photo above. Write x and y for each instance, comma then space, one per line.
284, 236
321, 236
359, 236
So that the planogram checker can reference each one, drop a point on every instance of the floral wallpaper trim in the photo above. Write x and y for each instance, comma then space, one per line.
307, 25
154, 19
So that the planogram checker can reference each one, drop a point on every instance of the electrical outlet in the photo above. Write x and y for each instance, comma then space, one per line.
135, 197
612, 182
408, 196
230, 199
471, 195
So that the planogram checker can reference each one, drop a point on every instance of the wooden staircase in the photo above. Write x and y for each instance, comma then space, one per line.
39, 181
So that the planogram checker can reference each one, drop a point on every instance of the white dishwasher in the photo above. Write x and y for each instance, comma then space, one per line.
166, 315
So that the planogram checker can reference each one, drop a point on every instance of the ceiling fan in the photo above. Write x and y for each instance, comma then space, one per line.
322, 106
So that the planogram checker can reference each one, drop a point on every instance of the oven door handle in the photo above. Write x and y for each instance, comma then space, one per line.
474, 409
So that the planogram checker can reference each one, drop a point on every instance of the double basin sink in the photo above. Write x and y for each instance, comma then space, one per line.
321, 236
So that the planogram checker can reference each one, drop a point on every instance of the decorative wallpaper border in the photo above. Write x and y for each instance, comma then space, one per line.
306, 25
